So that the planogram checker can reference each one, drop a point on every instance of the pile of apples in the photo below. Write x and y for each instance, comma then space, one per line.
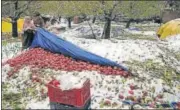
40, 58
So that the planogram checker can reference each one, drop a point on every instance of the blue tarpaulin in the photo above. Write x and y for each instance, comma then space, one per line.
53, 43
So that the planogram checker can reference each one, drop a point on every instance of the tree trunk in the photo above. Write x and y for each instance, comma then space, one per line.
14, 22
14, 28
107, 29
128, 23
59, 19
94, 19
92, 30
69, 22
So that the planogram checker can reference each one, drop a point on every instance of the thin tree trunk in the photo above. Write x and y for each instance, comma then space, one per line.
14, 22
107, 29
92, 30
94, 19
69, 22
14, 28
128, 23
59, 19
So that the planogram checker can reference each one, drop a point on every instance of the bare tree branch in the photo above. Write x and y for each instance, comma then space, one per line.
16, 12
91, 30
102, 5
22, 10
115, 3
8, 3
24, 5
114, 17
108, 15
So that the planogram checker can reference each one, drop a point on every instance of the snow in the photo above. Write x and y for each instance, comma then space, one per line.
5, 70
103, 87
120, 51
38, 104
11, 50
68, 82
174, 42
84, 31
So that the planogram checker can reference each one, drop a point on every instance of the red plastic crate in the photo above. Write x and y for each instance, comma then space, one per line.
74, 97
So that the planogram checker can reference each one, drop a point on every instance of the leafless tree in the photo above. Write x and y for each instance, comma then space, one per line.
13, 10
109, 15
173, 4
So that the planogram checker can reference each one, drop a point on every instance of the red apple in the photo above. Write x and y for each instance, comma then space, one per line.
121, 96
131, 92
107, 102
160, 96
132, 87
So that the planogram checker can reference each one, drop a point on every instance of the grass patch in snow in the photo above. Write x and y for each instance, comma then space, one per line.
11, 40
148, 28
8, 35
10, 100
148, 65
154, 70
14, 100
4, 43
167, 77
18, 100
177, 56
136, 36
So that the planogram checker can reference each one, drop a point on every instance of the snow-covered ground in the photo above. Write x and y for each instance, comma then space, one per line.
105, 88
11, 50
173, 43
123, 50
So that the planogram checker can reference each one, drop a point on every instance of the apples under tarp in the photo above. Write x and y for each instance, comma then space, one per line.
53, 43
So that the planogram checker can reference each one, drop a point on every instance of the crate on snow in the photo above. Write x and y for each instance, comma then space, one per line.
73, 98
